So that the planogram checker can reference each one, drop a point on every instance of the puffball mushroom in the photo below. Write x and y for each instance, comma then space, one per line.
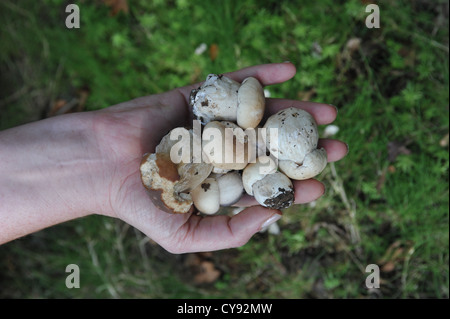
296, 150
213, 192
169, 184
221, 98
270, 187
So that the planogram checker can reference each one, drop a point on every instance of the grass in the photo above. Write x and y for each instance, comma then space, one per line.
386, 202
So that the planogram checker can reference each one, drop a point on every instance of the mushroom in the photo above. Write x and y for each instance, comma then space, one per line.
169, 183
224, 147
270, 187
251, 103
213, 192
206, 196
221, 98
230, 188
296, 146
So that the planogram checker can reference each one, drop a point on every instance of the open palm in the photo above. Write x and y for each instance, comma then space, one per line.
126, 131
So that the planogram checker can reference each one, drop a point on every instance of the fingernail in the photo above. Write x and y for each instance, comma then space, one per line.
324, 190
272, 219
348, 149
337, 110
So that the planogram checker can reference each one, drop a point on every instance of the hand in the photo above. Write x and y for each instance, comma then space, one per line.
126, 131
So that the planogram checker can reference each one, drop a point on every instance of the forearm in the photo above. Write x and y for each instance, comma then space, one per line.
45, 174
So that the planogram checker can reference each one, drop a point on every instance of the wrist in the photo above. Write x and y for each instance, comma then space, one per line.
46, 174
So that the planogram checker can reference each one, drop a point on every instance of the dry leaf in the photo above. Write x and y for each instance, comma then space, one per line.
213, 51
201, 268
388, 267
74, 103
207, 273
395, 255
117, 6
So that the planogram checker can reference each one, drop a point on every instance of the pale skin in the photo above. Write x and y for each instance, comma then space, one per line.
75, 165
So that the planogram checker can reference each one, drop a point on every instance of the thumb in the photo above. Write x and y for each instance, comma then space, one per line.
250, 221
211, 233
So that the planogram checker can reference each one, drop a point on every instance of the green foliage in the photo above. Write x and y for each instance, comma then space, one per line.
392, 87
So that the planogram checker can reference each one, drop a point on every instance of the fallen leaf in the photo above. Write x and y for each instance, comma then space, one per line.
75, 103
213, 51
207, 274
56, 106
388, 267
201, 268
391, 169
117, 6
395, 255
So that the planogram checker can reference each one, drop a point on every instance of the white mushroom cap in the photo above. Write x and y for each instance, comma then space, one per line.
312, 165
296, 146
297, 134
216, 99
274, 191
250, 138
221, 147
251, 103
214, 192
206, 196
238, 132
230, 188
255, 171
269, 187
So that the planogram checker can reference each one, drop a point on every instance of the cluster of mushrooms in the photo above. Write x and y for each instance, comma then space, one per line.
232, 161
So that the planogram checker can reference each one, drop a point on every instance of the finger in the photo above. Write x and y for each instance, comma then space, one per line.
220, 232
336, 150
267, 74
305, 191
322, 113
